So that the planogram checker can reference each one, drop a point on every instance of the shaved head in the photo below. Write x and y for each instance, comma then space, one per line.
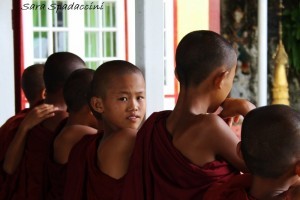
270, 140
105, 71
77, 88
33, 82
201, 52
58, 67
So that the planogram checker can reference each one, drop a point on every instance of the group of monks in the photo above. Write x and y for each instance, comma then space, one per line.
84, 135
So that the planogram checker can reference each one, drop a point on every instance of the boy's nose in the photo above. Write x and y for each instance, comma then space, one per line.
133, 105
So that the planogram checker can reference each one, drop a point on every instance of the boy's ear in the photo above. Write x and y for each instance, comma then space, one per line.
43, 94
297, 169
220, 78
97, 104
238, 150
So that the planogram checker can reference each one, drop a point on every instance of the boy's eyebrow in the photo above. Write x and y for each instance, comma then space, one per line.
127, 92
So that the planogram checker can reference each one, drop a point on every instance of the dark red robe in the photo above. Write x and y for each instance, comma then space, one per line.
56, 175
55, 172
7, 133
159, 171
235, 189
38, 147
84, 179
75, 174
31, 174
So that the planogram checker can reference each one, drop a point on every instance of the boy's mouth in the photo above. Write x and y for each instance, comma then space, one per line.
133, 118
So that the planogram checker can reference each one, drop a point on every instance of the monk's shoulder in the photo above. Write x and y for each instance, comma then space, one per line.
207, 123
74, 133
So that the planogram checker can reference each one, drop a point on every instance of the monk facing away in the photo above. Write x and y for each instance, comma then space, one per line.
34, 90
98, 163
28, 152
179, 154
80, 122
270, 147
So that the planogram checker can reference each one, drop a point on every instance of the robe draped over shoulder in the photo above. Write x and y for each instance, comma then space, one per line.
7, 134
235, 189
55, 172
84, 179
31, 174
158, 170
75, 181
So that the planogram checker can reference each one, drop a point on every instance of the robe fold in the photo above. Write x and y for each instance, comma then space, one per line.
38, 147
7, 134
159, 171
31, 174
84, 179
235, 189
56, 174
99, 185
75, 187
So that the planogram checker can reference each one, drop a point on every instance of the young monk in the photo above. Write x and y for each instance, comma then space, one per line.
100, 162
32, 149
32, 83
270, 147
80, 122
32, 77
34, 90
179, 154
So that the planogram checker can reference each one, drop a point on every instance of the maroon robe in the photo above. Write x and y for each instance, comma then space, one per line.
7, 133
84, 179
37, 152
55, 172
235, 189
159, 171
32, 177
238, 187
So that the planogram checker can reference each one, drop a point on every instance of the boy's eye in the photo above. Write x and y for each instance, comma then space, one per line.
123, 99
140, 98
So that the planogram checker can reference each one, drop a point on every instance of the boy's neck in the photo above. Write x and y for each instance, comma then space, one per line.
81, 118
192, 101
56, 100
263, 188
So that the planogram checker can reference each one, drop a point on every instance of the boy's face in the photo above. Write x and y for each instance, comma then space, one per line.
124, 105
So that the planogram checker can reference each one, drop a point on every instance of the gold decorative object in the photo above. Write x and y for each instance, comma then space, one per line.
280, 84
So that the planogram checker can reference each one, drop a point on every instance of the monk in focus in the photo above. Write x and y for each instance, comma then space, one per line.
179, 154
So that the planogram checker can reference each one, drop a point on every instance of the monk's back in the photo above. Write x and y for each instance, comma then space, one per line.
196, 134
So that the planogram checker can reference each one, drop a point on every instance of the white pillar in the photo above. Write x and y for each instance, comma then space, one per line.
7, 106
149, 50
263, 52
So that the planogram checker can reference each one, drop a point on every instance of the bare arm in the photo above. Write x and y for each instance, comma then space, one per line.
224, 144
16, 148
66, 140
235, 107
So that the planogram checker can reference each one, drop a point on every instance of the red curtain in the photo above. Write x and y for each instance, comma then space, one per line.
18, 53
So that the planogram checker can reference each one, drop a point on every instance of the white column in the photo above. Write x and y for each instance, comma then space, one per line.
7, 105
149, 50
263, 52
131, 30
